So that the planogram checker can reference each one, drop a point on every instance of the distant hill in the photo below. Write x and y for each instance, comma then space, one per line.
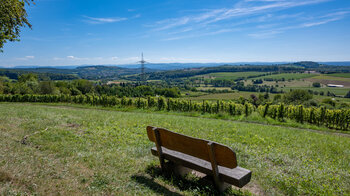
166, 70
174, 66
343, 63
307, 64
85, 72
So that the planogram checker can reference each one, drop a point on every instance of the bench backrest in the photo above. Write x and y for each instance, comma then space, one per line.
224, 155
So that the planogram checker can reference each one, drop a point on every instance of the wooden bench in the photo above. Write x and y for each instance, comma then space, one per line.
207, 157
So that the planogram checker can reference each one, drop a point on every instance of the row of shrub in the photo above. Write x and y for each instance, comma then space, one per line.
331, 118
321, 116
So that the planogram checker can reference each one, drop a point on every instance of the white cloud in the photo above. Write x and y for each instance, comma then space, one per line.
241, 9
254, 11
26, 58
311, 24
313, 21
93, 20
264, 34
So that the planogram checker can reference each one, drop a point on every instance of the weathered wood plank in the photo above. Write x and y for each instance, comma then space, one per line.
224, 155
159, 149
214, 165
237, 176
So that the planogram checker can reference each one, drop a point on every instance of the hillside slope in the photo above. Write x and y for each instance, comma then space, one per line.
91, 151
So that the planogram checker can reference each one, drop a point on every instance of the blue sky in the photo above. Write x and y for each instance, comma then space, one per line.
77, 32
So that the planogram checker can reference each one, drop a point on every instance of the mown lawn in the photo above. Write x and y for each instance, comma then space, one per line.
92, 151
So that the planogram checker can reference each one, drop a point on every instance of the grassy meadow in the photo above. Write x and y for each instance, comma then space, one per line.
338, 77
230, 75
225, 96
84, 151
289, 76
342, 75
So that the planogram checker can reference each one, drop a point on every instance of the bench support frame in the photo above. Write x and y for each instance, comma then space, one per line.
159, 149
215, 160
214, 165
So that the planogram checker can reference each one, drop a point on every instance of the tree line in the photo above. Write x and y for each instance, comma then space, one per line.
30, 84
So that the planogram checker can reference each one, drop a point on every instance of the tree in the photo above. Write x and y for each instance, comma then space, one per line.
30, 77
84, 86
13, 16
297, 96
1, 87
316, 84
48, 87
347, 95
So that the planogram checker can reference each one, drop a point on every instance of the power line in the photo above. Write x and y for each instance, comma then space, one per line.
143, 75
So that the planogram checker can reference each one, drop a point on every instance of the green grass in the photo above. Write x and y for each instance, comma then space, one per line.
230, 75
84, 151
289, 76
337, 91
332, 78
225, 96
342, 75
210, 87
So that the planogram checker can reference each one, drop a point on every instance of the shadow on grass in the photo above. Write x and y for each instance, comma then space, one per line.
191, 183
151, 184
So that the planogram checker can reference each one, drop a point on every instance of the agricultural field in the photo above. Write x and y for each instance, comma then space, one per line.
337, 91
306, 84
225, 96
210, 87
230, 75
342, 75
84, 151
289, 76
326, 79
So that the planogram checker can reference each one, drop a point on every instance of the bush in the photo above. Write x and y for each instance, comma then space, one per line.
347, 95
297, 96
316, 84
329, 101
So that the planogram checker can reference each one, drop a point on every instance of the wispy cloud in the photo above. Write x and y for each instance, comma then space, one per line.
26, 58
312, 21
217, 32
93, 20
264, 34
266, 14
321, 22
243, 8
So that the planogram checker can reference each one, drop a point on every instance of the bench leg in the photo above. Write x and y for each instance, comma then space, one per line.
177, 169
219, 185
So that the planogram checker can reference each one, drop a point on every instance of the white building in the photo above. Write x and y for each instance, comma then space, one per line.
335, 85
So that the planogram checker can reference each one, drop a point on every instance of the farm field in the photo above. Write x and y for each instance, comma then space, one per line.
212, 87
337, 91
325, 79
225, 96
306, 84
288, 76
292, 83
230, 75
342, 75
84, 151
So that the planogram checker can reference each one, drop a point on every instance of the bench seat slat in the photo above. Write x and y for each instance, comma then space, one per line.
237, 176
